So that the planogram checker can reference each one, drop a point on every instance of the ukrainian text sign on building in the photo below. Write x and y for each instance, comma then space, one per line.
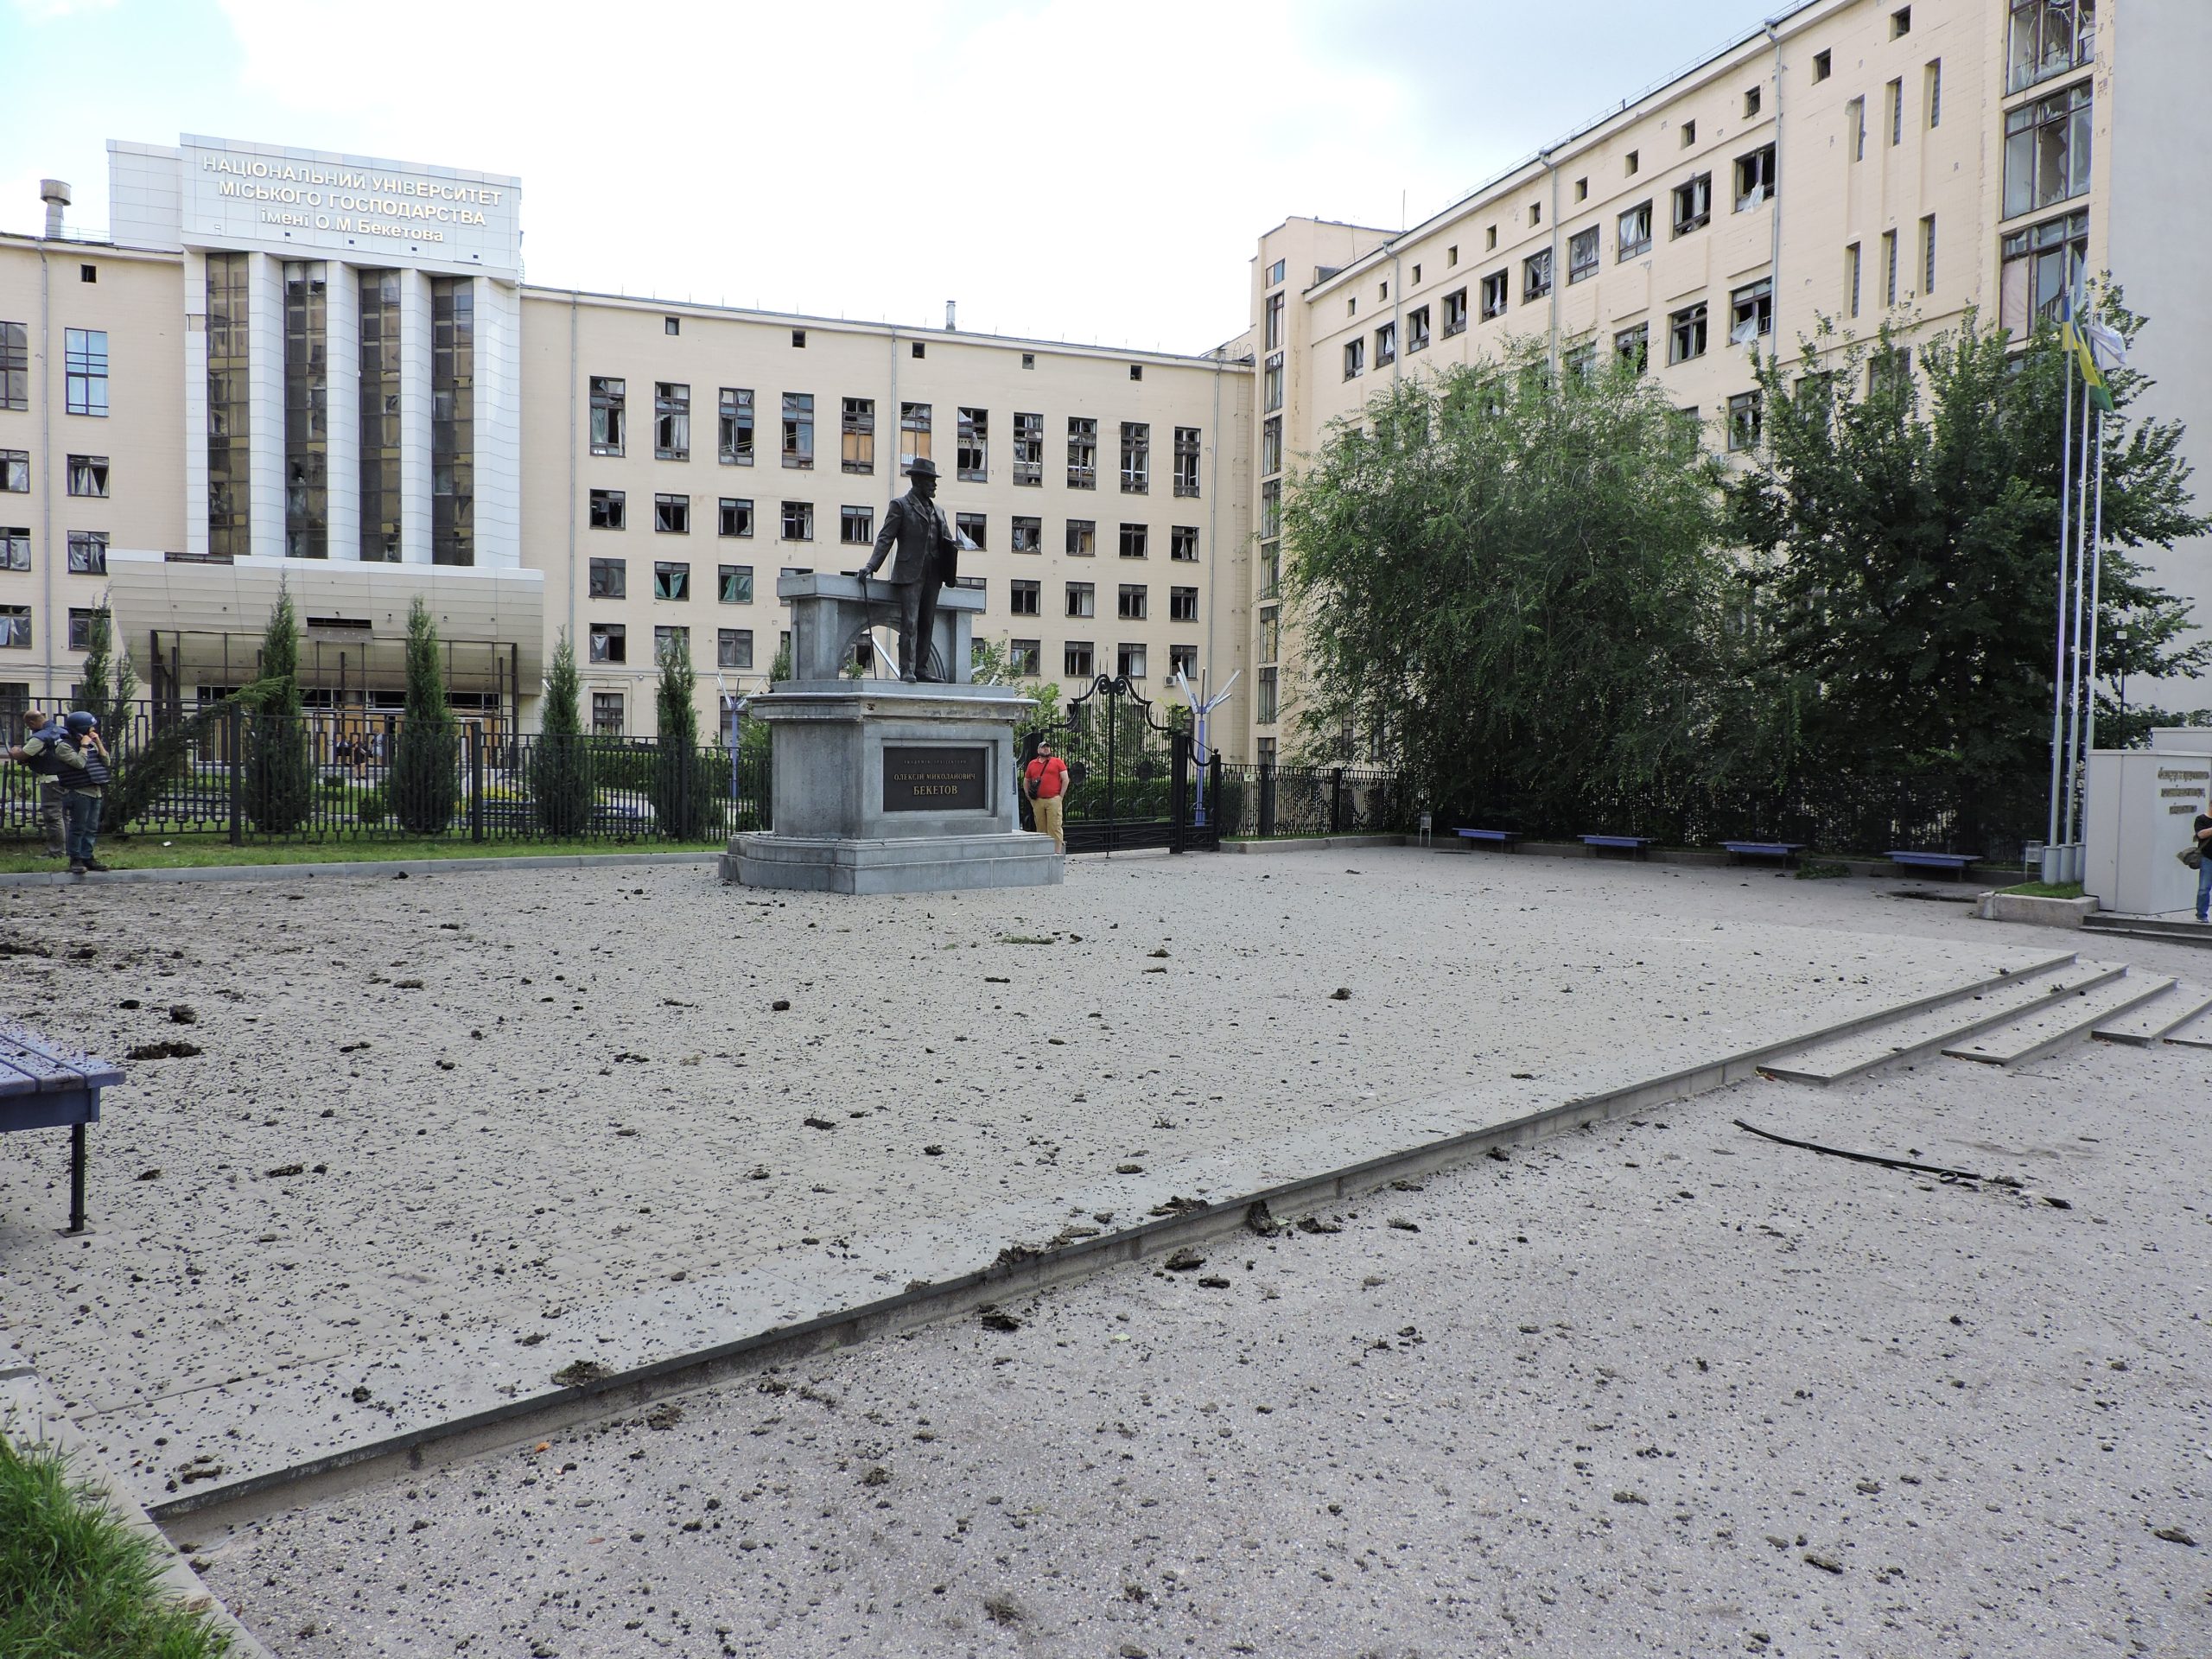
309, 204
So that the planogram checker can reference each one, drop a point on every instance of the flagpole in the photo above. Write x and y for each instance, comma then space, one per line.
2080, 584
2097, 582
2058, 672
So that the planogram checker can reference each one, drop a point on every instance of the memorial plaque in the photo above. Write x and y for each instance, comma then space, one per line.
935, 779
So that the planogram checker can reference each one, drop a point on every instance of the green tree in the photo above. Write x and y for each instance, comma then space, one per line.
1902, 530
425, 771
279, 780
561, 761
994, 665
109, 689
1508, 579
683, 790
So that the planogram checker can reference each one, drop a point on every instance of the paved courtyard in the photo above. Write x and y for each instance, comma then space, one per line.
445, 1136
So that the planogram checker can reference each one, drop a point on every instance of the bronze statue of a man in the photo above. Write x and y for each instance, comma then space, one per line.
929, 558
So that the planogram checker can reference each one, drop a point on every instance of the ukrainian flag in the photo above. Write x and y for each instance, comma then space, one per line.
2072, 337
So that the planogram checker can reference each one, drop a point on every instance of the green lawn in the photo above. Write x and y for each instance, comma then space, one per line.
75, 1583
2046, 889
192, 852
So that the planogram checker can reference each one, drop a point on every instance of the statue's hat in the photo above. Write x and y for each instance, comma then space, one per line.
921, 466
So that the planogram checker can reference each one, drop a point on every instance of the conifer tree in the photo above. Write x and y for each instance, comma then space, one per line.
681, 792
279, 782
425, 781
560, 768
108, 688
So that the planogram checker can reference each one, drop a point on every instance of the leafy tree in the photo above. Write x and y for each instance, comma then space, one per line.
993, 665
683, 790
561, 761
1509, 580
1902, 534
279, 781
425, 772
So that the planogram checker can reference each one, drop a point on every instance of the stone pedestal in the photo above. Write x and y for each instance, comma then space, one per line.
883, 787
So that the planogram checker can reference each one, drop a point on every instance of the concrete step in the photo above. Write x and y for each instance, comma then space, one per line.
1953, 1021
2148, 927
2146, 1024
2192, 1034
2053, 1028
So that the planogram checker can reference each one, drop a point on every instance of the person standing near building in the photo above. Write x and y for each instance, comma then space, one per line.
1045, 781
2203, 832
36, 752
83, 771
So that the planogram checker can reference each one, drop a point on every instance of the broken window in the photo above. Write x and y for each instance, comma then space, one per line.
2047, 150
1129, 662
1928, 254
1023, 598
1851, 262
15, 366
1686, 333
1744, 413
856, 526
1183, 544
1029, 450
798, 429
607, 709
1270, 635
1633, 348
1417, 330
1900, 22
1892, 369
607, 510
1183, 660
1027, 535
733, 648
1271, 445
857, 435
15, 470
1270, 384
1894, 95
733, 584
1455, 313
1931, 91
1265, 714
975, 530
1535, 276
671, 643
1889, 267
1580, 361
734, 515
15, 547
1082, 599
1751, 101
1690, 134
672, 514
1631, 163
2047, 37
1083, 538
1082, 453
609, 579
1386, 344
1182, 604
1275, 323
1075, 659
798, 521
736, 433
1821, 66
610, 643
2038, 266
607, 416
913, 434
1186, 460
1134, 601
88, 475
1754, 178
1633, 234
80, 628
1136, 458
1271, 507
1026, 658
1136, 539
1355, 359
1496, 291
671, 581
971, 459
671, 420
1854, 128
1751, 312
1693, 204
1581, 256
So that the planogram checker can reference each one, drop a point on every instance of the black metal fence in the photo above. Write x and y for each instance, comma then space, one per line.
1265, 800
261, 778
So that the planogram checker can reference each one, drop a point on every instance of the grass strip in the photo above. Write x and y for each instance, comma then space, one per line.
197, 852
2046, 889
75, 1582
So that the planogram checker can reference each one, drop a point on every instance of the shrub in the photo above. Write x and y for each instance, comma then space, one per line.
561, 769
425, 782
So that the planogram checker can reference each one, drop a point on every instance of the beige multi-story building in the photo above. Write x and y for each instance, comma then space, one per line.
1858, 161
326, 371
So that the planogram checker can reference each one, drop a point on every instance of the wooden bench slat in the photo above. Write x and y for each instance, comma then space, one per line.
46, 1067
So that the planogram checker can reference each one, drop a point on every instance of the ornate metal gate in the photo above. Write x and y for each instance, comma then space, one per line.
1131, 781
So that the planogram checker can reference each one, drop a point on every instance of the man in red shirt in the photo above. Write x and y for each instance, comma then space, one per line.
1045, 781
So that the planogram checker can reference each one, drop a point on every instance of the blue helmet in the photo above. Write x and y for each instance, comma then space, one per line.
81, 720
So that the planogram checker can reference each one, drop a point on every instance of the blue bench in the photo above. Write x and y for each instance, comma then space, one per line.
1784, 850
1956, 863
1634, 846
44, 1086
1502, 839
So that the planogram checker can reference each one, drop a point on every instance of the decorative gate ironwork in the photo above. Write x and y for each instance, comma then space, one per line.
1131, 780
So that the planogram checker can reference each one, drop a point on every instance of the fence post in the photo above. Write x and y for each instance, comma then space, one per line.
476, 780
236, 744
1178, 787
1267, 814
1336, 802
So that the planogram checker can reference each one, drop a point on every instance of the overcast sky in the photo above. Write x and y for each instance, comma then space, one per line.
1094, 170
